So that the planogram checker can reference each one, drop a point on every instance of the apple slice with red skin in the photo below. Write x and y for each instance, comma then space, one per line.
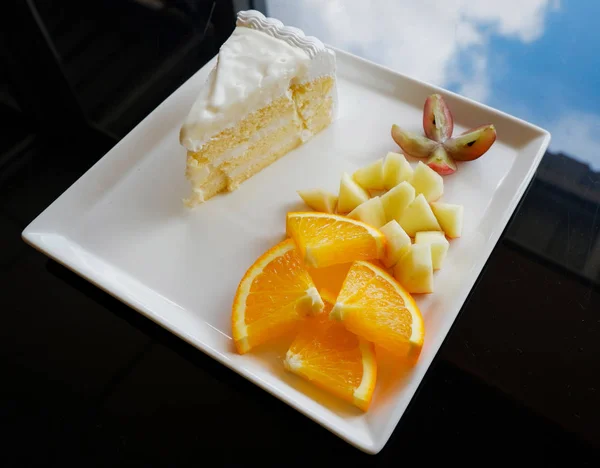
413, 144
441, 162
472, 144
438, 122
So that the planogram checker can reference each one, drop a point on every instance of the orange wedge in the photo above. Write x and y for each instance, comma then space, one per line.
326, 239
329, 280
332, 358
274, 295
373, 305
329, 300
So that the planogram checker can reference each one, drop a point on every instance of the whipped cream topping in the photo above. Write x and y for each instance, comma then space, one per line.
256, 65
275, 28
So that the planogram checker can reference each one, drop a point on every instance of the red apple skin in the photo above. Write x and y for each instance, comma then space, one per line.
438, 122
413, 144
472, 144
441, 162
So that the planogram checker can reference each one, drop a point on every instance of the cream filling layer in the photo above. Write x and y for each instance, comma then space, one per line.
201, 175
240, 149
198, 173
239, 170
232, 174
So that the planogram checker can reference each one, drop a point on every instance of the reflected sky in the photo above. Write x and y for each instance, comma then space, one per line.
535, 59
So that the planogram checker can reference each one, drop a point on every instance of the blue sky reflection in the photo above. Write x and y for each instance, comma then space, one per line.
535, 59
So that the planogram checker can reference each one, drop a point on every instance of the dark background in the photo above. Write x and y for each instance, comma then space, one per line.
86, 381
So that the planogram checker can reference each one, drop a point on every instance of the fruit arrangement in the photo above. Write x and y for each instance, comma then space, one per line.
404, 208
437, 146
325, 286
341, 285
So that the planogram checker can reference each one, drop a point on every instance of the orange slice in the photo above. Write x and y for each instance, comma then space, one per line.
329, 280
274, 295
373, 305
326, 239
328, 299
332, 358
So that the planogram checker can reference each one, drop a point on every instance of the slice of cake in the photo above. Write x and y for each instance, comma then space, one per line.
271, 89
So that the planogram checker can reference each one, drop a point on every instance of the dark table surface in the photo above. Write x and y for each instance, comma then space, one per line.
87, 381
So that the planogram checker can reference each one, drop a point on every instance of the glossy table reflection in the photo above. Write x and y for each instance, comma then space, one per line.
87, 381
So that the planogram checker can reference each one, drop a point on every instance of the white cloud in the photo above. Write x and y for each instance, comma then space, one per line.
475, 84
523, 19
576, 134
423, 39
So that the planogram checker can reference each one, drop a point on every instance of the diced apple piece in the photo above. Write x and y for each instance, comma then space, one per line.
370, 212
396, 169
428, 182
438, 243
414, 270
450, 218
351, 194
319, 200
418, 217
396, 200
370, 177
398, 243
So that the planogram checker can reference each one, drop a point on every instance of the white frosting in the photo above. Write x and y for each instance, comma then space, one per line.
256, 65
275, 28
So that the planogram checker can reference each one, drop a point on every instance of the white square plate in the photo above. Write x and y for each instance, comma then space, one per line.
123, 227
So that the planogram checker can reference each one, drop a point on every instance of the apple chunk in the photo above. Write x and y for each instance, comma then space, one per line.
414, 271
471, 144
370, 212
370, 177
438, 243
412, 144
319, 200
398, 243
428, 182
441, 162
418, 217
351, 194
438, 122
450, 218
396, 200
396, 169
